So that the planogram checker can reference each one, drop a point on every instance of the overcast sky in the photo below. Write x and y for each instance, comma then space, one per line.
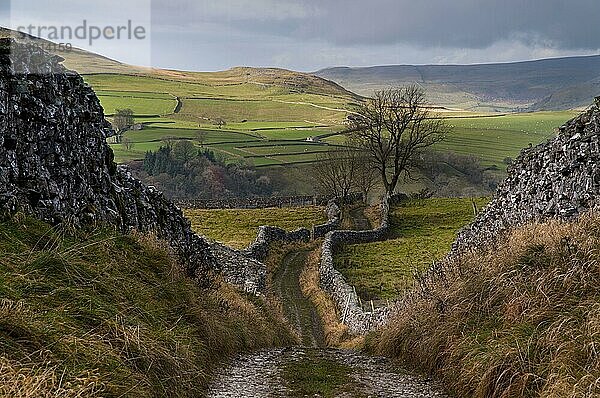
312, 34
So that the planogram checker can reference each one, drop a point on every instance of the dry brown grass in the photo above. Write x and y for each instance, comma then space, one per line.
336, 333
100, 314
519, 320
19, 380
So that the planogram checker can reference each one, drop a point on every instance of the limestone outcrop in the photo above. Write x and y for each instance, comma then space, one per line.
558, 179
55, 164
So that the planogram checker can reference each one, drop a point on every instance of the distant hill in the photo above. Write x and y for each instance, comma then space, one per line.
87, 63
548, 84
81, 61
575, 96
286, 78
270, 115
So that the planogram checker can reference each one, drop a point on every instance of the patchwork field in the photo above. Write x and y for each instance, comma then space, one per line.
265, 123
421, 231
269, 118
238, 227
268, 105
494, 137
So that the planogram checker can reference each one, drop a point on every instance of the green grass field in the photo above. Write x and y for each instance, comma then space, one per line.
274, 105
267, 110
421, 231
270, 115
495, 138
238, 227
256, 114
142, 104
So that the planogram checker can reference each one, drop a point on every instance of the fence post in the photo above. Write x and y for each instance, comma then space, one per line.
475, 209
346, 310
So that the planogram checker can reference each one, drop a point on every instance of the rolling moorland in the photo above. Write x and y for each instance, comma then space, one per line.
547, 84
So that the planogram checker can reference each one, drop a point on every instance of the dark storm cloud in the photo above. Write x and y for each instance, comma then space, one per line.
465, 23
312, 34
427, 23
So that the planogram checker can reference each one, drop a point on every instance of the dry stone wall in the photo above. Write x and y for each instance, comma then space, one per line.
262, 202
254, 203
268, 235
334, 219
353, 315
559, 179
240, 269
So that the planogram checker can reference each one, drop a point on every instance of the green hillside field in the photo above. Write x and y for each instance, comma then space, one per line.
269, 119
275, 106
265, 125
238, 227
422, 231
272, 131
497, 137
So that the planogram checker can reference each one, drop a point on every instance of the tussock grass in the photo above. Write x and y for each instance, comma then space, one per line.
44, 381
91, 314
336, 333
521, 319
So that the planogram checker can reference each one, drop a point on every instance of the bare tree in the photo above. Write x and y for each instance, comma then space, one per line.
334, 172
393, 128
365, 175
122, 120
127, 144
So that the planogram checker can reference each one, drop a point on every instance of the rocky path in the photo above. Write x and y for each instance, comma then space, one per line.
297, 308
312, 370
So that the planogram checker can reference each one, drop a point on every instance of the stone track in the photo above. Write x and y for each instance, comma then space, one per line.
360, 222
259, 375
297, 308
263, 374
